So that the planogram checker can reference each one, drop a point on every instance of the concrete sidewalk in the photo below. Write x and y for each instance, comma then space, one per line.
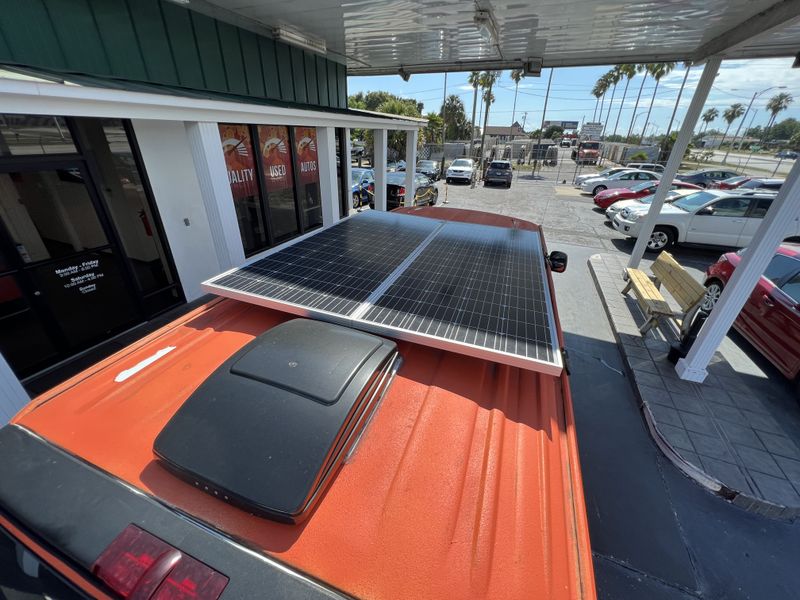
719, 433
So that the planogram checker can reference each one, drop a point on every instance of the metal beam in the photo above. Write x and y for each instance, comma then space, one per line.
675, 157
785, 209
778, 16
411, 165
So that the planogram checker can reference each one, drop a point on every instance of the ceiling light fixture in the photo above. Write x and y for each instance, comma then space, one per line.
486, 26
301, 40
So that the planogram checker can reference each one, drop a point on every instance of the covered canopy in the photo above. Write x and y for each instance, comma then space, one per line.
376, 37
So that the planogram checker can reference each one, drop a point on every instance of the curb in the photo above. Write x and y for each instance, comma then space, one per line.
741, 499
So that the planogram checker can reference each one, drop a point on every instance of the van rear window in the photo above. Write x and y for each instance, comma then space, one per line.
500, 165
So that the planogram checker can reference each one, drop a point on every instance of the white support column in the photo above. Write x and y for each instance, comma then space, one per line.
12, 396
380, 138
215, 189
784, 211
329, 187
411, 162
347, 166
675, 157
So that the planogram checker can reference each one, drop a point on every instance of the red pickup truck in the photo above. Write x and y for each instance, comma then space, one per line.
586, 153
463, 481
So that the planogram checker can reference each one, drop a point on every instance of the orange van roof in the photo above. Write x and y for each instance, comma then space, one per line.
466, 484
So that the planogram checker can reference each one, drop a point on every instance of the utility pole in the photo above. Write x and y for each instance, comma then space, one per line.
444, 122
544, 112
524, 117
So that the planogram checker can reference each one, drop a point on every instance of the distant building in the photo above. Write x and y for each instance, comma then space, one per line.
504, 133
713, 141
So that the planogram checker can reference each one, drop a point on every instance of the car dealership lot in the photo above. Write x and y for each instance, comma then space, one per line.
655, 533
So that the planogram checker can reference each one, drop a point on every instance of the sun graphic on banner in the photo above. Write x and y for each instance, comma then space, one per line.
306, 142
232, 144
273, 143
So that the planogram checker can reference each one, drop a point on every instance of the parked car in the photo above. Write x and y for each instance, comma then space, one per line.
499, 171
425, 193
620, 180
770, 318
362, 186
391, 166
705, 177
744, 182
655, 167
565, 143
672, 195
429, 168
787, 154
461, 170
608, 197
708, 217
581, 179
401, 165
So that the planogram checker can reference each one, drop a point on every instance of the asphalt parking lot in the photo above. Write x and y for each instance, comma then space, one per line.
655, 533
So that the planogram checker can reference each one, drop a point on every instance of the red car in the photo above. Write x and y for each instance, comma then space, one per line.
731, 183
770, 319
606, 198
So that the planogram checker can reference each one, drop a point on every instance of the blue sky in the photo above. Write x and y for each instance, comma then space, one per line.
570, 98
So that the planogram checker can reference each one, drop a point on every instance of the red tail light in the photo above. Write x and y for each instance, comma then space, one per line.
401, 191
139, 566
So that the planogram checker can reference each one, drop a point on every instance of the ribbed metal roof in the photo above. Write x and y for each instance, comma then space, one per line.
382, 36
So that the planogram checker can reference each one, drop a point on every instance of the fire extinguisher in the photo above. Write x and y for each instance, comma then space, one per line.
146, 223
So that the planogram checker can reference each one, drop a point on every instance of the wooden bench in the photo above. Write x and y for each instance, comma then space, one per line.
688, 293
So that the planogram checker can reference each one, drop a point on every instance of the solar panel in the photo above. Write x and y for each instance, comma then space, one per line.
476, 289
335, 269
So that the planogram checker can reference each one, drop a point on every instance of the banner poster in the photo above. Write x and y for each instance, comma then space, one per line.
305, 140
276, 157
238, 151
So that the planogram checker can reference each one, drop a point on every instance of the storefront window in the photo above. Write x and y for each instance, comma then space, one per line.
34, 134
238, 150
278, 180
308, 192
49, 214
126, 199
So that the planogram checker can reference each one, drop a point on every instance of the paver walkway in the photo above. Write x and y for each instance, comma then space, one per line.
718, 432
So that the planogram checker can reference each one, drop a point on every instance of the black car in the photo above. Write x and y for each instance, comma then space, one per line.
429, 168
705, 177
426, 193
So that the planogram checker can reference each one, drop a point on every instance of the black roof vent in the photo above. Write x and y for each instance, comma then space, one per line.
270, 427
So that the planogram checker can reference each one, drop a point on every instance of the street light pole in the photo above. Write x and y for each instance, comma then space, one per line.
744, 118
544, 112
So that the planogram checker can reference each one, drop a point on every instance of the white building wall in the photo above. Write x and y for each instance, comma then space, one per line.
167, 156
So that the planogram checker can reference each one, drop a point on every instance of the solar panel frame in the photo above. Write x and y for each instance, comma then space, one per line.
356, 314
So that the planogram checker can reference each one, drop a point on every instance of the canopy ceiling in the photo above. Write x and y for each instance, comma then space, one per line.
383, 36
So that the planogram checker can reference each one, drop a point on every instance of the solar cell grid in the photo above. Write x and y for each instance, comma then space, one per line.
336, 269
475, 285
478, 289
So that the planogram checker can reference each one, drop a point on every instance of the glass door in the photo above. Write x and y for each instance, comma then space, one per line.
61, 274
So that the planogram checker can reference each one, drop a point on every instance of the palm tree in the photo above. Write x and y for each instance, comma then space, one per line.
516, 75
597, 91
657, 71
614, 77
628, 72
487, 79
640, 68
604, 82
688, 66
730, 114
776, 104
474, 80
709, 116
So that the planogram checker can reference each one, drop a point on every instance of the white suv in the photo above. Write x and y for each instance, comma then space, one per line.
709, 217
656, 168
461, 169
